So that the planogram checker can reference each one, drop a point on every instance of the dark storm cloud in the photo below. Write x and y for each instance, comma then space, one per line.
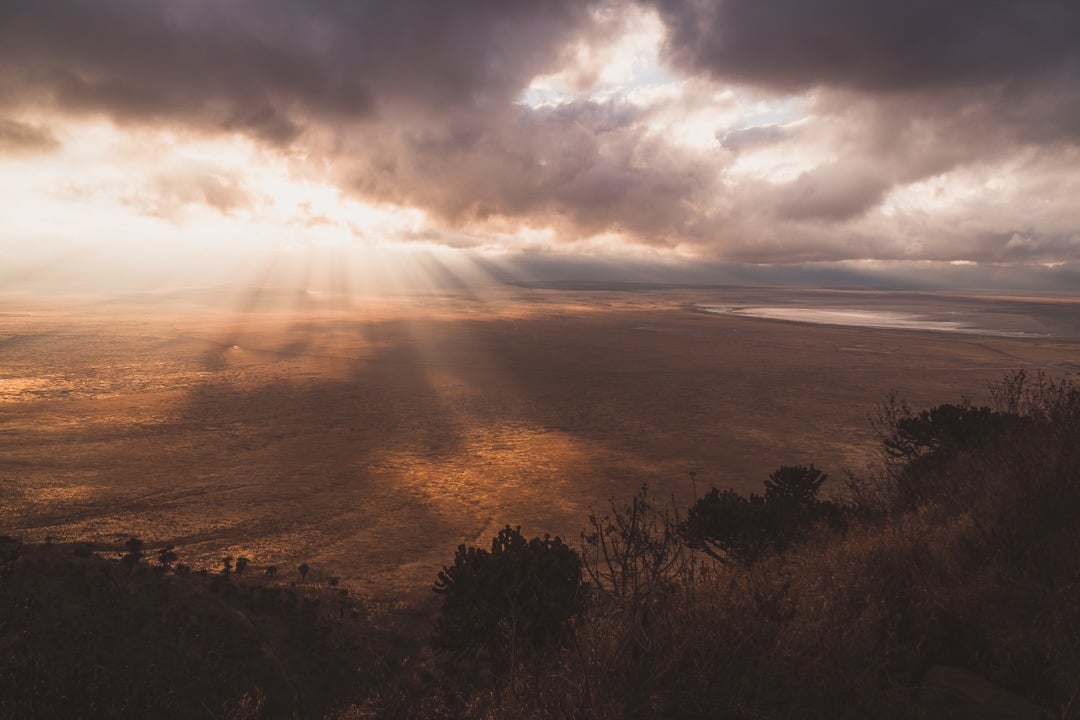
20, 138
873, 45
269, 67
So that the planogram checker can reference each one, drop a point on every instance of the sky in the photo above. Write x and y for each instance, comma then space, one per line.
148, 144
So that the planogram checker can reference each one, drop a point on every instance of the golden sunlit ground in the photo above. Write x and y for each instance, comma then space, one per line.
370, 437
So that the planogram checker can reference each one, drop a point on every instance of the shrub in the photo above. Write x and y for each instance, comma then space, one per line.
632, 552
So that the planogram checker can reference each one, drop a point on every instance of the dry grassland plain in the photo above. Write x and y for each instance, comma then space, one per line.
369, 438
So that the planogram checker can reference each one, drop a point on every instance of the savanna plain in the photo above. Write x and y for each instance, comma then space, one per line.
368, 437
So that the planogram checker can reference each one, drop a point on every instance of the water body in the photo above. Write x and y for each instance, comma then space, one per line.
879, 319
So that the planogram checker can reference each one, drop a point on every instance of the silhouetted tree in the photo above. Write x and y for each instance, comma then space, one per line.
907, 436
736, 529
226, 564
729, 527
521, 594
271, 571
918, 445
241, 564
303, 571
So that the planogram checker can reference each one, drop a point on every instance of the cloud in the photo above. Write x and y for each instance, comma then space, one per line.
839, 191
588, 167
919, 87
779, 131
269, 67
873, 45
754, 136
18, 138
411, 102
832, 184
170, 191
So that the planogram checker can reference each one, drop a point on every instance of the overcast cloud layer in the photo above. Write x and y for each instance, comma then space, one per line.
763, 131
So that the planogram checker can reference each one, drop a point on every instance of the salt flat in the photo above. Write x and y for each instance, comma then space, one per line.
880, 319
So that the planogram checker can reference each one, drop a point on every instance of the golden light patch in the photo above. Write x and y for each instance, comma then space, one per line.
60, 494
26, 389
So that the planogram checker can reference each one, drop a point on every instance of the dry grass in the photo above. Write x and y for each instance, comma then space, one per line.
983, 572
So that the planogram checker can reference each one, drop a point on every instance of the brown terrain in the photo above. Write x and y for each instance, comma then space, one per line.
370, 437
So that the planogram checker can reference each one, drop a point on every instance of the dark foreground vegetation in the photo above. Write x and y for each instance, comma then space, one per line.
817, 599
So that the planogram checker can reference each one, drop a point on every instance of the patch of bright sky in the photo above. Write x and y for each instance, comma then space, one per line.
690, 112
630, 62
775, 110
